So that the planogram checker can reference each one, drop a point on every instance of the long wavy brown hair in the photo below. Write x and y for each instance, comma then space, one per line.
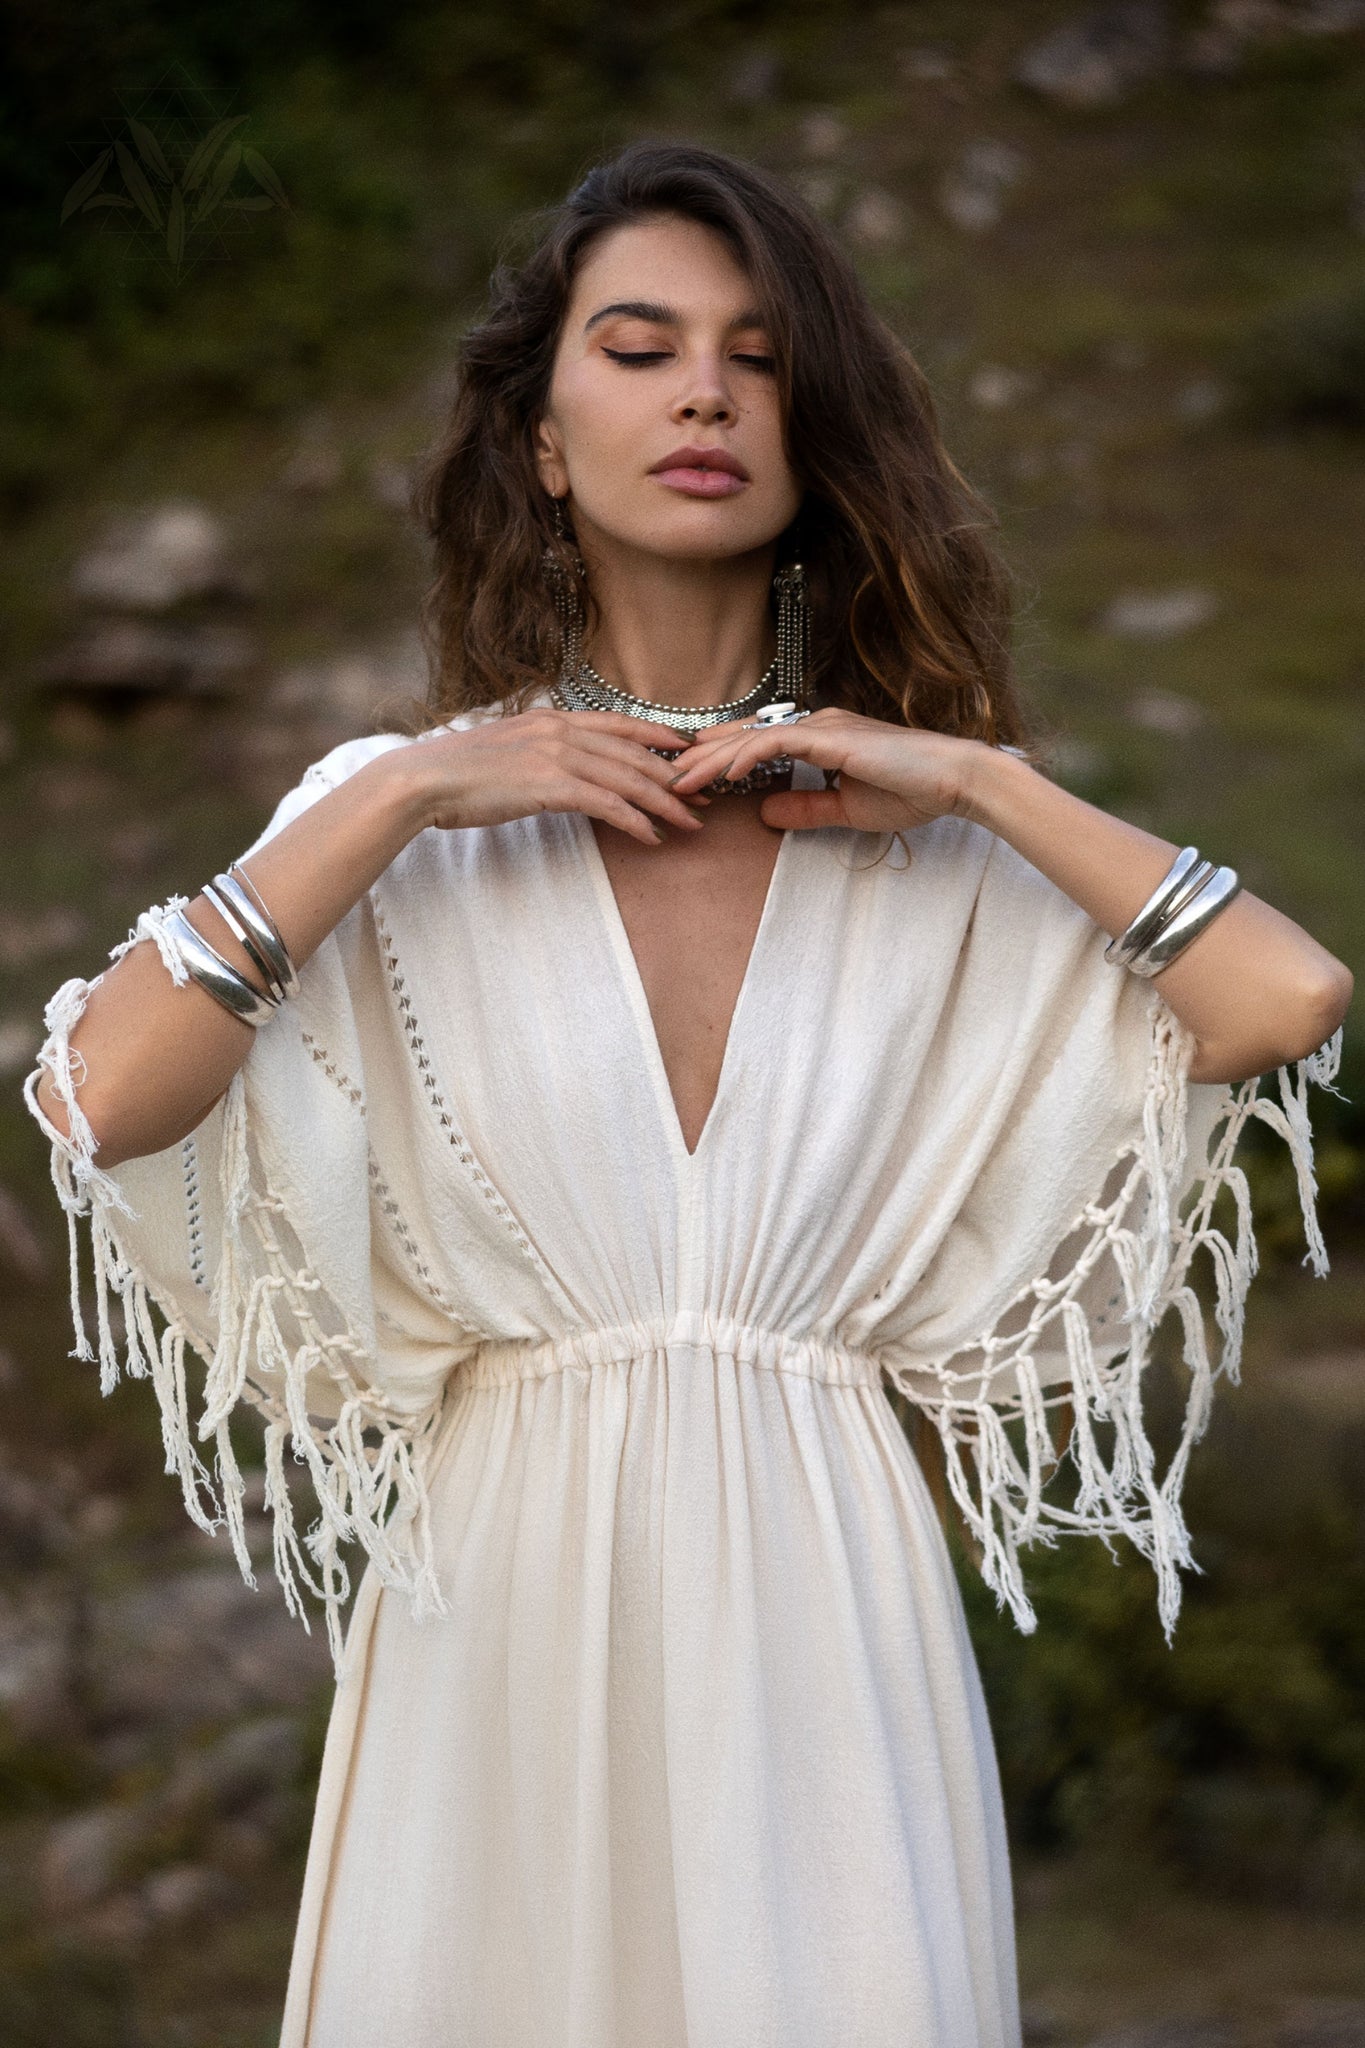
910, 603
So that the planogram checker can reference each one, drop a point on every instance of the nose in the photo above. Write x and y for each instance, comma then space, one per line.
705, 397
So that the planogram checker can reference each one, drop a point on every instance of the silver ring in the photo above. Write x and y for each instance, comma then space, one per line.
775, 714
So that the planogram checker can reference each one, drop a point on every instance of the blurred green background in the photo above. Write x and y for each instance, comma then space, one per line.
1127, 244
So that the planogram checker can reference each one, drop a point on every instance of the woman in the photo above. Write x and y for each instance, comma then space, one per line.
676, 1054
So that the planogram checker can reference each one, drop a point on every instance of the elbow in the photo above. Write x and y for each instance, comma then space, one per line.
1301, 1025
1324, 1003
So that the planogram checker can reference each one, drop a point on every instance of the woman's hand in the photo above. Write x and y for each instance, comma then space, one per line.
598, 762
1254, 988
891, 777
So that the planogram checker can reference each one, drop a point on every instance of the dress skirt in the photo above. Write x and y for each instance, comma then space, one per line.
700, 1757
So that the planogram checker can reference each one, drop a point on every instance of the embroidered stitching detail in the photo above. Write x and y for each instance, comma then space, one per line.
393, 1215
441, 1108
333, 1072
189, 1164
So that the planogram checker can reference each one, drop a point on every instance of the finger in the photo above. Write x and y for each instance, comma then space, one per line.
613, 809
654, 732
799, 810
629, 782
627, 778
628, 751
709, 761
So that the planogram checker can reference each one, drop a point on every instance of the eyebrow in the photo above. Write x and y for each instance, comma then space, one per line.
659, 315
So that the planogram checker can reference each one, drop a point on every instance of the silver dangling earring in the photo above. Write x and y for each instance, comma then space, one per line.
793, 635
567, 598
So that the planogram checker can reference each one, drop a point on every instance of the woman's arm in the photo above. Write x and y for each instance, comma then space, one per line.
1254, 988
153, 1058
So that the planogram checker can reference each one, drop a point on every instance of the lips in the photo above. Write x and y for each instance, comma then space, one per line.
700, 459
702, 472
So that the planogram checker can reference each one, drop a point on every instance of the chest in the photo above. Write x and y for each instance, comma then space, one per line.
691, 910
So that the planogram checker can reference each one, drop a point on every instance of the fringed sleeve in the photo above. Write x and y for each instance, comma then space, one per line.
249, 1244
1036, 1386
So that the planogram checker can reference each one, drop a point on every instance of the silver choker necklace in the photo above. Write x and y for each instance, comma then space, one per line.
586, 690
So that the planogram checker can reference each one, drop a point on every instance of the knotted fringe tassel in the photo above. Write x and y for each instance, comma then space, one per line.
999, 1452
269, 1343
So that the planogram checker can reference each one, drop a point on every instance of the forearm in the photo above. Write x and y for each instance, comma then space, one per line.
1255, 989
156, 1057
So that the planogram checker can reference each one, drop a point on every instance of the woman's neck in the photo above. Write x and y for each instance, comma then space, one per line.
680, 632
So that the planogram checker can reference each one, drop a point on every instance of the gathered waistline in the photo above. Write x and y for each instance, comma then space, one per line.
499, 1362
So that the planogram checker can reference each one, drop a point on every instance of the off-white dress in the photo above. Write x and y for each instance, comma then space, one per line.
658, 1725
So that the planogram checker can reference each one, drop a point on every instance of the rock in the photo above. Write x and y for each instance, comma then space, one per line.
313, 467
823, 134
240, 1845
1158, 614
37, 1662
84, 1856
973, 208
133, 845
138, 657
755, 77
35, 1527
1324, 2023
1166, 712
118, 1923
20, 1038
819, 190
927, 62
39, 935
1097, 57
347, 694
971, 195
257, 1758
1218, 47
391, 483
201, 1647
154, 560
1076, 762
185, 1891
1202, 400
1123, 352
993, 386
20, 1243
875, 219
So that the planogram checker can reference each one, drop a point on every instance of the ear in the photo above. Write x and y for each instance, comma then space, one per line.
550, 459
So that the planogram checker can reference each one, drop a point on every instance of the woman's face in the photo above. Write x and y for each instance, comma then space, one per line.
663, 423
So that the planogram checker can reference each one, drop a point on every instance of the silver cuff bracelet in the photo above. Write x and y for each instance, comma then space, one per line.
204, 964
1195, 916
1184, 904
255, 931
1185, 876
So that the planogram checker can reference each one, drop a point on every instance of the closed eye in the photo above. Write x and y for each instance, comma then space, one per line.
640, 359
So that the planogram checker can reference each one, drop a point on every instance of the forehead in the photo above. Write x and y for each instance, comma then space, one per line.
671, 261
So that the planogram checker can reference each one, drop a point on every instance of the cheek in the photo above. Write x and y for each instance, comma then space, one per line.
597, 423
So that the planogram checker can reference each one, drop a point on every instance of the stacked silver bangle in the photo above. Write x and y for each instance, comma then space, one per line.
238, 903
1186, 902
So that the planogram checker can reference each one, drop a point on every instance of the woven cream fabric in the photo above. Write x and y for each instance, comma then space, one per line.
657, 1720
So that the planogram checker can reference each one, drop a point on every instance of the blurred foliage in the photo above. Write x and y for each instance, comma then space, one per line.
1306, 361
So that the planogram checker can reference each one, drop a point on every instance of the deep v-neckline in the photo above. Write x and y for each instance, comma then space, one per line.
629, 970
